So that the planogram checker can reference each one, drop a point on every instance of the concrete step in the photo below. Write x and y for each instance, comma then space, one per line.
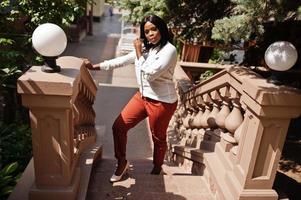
173, 184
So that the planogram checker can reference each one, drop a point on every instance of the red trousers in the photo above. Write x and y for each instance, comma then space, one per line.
137, 109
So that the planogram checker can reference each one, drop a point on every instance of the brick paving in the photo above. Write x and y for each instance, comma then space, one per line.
115, 88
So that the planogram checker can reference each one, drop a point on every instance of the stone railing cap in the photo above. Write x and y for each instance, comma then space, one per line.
34, 81
263, 92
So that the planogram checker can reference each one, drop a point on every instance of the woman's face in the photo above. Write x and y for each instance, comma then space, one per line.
152, 33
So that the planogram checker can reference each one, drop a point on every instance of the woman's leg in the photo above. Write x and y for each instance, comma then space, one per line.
159, 114
131, 114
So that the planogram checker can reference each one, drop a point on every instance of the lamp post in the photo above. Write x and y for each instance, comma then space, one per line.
50, 41
280, 56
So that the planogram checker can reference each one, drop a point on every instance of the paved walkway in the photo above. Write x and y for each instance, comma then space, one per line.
115, 88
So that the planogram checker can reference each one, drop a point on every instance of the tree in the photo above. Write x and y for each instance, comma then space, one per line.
194, 19
262, 22
18, 19
246, 19
138, 9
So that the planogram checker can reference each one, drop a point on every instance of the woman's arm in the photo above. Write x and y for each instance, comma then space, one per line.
119, 61
116, 62
111, 64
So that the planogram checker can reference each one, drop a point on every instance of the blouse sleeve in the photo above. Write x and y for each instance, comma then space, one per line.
118, 61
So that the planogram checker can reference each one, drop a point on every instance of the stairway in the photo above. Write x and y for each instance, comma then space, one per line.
115, 88
138, 184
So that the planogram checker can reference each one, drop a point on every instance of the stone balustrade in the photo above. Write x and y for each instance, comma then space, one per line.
62, 123
231, 128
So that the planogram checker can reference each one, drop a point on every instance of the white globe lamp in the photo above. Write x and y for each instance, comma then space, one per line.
280, 56
50, 41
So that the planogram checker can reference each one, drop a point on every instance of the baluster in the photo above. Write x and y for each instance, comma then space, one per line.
181, 116
215, 96
238, 133
207, 101
192, 122
224, 112
190, 126
181, 111
197, 119
199, 132
187, 118
194, 131
187, 121
195, 109
222, 115
176, 123
232, 122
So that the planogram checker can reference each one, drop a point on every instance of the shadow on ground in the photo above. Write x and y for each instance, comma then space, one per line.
137, 184
287, 187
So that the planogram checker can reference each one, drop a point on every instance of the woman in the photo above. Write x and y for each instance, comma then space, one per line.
155, 59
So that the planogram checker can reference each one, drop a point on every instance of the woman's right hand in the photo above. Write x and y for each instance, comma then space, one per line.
90, 66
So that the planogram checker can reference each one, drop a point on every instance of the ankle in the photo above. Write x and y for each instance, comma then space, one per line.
120, 167
156, 170
122, 162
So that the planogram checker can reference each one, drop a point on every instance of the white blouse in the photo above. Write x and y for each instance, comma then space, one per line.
154, 72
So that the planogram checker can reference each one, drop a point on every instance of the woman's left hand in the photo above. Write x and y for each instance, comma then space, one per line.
138, 47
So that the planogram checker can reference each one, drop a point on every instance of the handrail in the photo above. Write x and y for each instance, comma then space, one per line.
233, 127
62, 123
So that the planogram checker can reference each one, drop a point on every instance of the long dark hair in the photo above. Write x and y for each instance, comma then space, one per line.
162, 27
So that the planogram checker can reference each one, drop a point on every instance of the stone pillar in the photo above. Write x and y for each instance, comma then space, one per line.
49, 97
268, 114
